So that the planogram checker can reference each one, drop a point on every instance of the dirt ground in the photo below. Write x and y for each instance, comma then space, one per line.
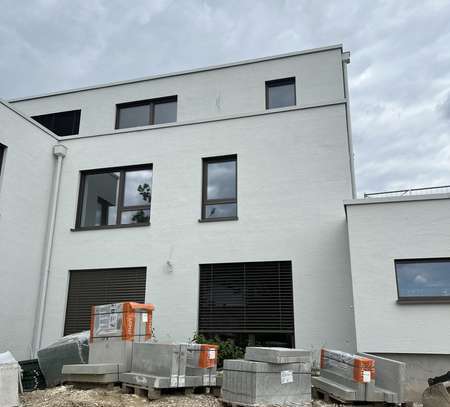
66, 396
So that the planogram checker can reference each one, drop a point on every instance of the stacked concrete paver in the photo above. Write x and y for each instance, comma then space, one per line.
268, 376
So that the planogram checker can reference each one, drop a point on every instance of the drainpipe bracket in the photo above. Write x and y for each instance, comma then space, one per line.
60, 150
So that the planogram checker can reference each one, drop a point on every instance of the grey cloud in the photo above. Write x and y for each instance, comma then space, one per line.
399, 75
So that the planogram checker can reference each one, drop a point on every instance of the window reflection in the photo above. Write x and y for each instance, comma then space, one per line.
221, 180
137, 187
280, 93
100, 199
116, 197
219, 188
423, 278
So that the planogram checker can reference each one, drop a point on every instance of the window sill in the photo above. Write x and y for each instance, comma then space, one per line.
132, 225
217, 219
435, 300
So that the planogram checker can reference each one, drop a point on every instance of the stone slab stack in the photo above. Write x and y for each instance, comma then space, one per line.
268, 376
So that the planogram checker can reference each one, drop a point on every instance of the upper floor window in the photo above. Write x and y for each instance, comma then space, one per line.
423, 280
2, 154
280, 93
219, 188
62, 123
115, 196
146, 112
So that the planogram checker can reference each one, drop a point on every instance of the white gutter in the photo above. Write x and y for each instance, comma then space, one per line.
345, 61
59, 152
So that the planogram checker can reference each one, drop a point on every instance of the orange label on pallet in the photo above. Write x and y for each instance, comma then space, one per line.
208, 356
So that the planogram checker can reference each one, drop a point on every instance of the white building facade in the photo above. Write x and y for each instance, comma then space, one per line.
215, 194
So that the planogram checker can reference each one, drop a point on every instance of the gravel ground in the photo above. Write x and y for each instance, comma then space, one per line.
66, 396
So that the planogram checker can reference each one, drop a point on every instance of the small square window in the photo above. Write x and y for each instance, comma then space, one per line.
112, 197
146, 112
219, 188
280, 93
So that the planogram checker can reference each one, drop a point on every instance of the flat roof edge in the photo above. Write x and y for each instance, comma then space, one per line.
179, 73
396, 199
28, 119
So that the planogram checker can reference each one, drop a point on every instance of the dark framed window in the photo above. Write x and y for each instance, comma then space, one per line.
280, 93
2, 154
146, 112
62, 123
115, 197
219, 196
241, 300
423, 280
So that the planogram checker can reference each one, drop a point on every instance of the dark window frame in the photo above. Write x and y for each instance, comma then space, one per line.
146, 102
2, 156
120, 197
420, 299
205, 200
278, 82
75, 124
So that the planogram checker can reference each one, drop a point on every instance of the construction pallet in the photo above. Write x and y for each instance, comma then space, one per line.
156, 393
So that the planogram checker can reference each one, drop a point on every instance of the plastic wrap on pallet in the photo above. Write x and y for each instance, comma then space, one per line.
254, 383
163, 360
71, 349
357, 368
201, 360
129, 321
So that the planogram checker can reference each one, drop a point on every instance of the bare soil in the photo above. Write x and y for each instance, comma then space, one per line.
67, 396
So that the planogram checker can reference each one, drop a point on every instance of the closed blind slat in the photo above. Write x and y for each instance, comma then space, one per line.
246, 297
97, 287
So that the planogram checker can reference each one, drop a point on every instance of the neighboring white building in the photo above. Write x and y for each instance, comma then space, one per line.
400, 262
216, 194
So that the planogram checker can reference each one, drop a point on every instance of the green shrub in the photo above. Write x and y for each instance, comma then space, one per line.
227, 349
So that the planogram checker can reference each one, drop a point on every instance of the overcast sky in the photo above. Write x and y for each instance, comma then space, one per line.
399, 73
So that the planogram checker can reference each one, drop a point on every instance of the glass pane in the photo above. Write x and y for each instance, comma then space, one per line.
100, 199
221, 180
221, 211
140, 216
67, 123
165, 112
138, 188
134, 116
424, 278
281, 95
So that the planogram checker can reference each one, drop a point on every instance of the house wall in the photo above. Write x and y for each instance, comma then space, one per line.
25, 186
292, 173
207, 94
379, 233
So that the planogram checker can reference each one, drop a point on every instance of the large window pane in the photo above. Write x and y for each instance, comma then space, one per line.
134, 116
221, 211
280, 93
221, 180
423, 278
165, 112
138, 187
100, 199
